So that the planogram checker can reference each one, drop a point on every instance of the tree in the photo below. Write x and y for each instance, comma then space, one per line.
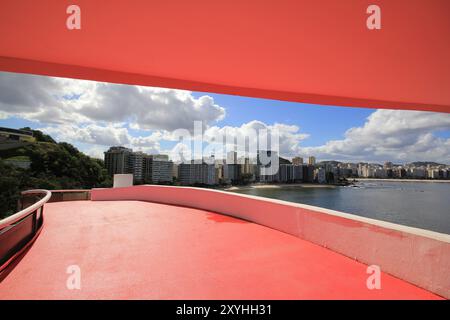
10, 184
53, 166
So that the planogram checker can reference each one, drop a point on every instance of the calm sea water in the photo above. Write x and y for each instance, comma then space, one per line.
423, 205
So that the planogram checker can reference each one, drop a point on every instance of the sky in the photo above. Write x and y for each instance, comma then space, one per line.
95, 115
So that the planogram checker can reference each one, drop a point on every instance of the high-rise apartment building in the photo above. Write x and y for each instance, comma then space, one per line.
269, 164
186, 173
246, 167
231, 173
297, 161
144, 167
298, 173
175, 170
219, 172
308, 173
193, 173
232, 157
320, 175
117, 160
209, 174
286, 173
137, 165
158, 169
312, 161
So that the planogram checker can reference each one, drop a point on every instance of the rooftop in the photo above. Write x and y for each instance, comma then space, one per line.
144, 250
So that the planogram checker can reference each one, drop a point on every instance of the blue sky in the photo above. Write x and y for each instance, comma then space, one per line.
323, 123
94, 116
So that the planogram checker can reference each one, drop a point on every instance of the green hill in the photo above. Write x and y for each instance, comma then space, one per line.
53, 166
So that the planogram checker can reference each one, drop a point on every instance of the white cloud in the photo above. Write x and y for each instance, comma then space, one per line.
391, 135
97, 115
93, 139
90, 134
290, 136
95, 151
63, 101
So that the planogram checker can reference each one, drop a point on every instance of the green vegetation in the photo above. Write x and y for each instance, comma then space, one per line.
53, 166
19, 158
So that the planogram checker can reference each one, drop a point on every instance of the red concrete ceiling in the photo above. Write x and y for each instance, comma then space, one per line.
308, 51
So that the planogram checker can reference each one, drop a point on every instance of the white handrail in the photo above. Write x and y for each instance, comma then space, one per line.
25, 212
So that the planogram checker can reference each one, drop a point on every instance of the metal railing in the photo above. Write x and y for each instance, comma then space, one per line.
18, 230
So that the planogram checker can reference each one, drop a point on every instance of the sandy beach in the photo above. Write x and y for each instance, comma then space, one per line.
279, 186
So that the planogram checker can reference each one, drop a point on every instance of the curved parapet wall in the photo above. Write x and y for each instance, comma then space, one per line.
418, 256
19, 230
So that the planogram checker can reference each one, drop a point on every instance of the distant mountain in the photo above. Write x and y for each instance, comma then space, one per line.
51, 165
426, 163
330, 162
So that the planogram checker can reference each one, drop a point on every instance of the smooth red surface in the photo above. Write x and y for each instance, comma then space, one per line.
394, 248
133, 249
309, 51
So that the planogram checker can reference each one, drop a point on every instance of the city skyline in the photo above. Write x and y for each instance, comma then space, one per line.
93, 116
304, 158
269, 167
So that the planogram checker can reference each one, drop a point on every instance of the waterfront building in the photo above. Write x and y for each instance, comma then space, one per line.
380, 173
186, 173
208, 174
434, 174
230, 173
219, 172
286, 173
246, 167
175, 170
298, 173
320, 175
197, 173
419, 173
269, 164
308, 173
232, 157
345, 172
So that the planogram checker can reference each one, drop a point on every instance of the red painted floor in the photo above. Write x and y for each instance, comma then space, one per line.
140, 250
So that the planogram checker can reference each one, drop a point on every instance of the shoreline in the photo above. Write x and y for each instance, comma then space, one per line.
280, 186
316, 185
400, 180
